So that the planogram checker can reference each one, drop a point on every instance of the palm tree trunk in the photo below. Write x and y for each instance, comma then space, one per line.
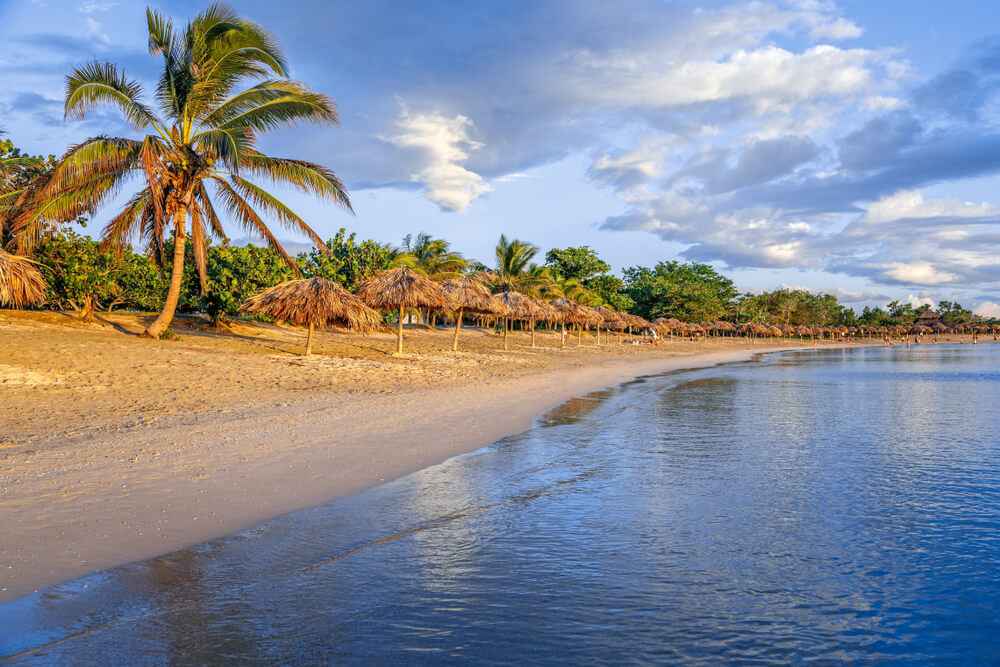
458, 325
309, 340
162, 320
399, 332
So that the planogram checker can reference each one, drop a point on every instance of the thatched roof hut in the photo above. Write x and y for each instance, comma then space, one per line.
21, 284
402, 289
470, 296
315, 302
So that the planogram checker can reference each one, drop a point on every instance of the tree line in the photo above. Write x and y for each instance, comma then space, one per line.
85, 277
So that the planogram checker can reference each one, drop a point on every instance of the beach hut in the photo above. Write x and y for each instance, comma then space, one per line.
469, 296
21, 284
401, 289
314, 302
519, 307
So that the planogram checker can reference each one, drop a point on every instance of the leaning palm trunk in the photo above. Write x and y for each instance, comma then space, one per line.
163, 320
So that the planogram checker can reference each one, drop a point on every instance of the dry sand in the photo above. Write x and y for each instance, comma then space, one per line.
115, 448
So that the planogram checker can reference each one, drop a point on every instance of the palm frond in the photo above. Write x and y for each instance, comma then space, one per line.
264, 199
304, 176
100, 83
248, 218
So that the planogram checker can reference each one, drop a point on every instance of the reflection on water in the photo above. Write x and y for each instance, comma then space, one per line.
833, 505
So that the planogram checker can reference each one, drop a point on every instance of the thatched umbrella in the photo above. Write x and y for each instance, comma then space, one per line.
315, 302
519, 307
609, 318
400, 289
21, 284
572, 312
469, 296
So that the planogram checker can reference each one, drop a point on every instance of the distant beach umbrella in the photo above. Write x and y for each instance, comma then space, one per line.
314, 302
571, 312
21, 284
519, 307
609, 319
400, 289
469, 296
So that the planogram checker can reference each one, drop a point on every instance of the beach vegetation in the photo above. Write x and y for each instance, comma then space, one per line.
689, 292
224, 81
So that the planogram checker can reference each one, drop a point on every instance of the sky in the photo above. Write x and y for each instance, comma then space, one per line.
847, 147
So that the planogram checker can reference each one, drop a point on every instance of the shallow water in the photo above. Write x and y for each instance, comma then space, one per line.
831, 505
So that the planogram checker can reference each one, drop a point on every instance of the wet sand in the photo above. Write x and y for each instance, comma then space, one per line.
115, 448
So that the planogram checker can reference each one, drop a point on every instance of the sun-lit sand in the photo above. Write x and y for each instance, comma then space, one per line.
115, 448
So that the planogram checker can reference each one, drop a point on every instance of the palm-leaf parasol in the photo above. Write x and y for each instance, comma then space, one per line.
21, 284
401, 288
469, 296
315, 302
519, 307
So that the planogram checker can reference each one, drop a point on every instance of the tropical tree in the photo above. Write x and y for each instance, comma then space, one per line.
514, 271
581, 263
224, 81
21, 283
430, 257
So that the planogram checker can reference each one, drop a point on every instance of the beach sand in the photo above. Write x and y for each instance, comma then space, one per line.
115, 448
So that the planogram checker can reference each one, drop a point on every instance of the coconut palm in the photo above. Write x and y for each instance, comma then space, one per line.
20, 281
514, 271
224, 81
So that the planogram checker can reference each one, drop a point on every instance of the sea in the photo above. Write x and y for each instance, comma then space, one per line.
830, 505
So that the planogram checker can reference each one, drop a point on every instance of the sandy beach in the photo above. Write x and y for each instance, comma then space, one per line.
115, 448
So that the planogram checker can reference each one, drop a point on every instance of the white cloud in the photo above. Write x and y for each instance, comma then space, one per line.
882, 103
849, 296
444, 143
910, 204
768, 78
917, 301
94, 6
987, 309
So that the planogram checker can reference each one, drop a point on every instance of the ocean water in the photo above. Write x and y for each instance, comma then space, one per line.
831, 505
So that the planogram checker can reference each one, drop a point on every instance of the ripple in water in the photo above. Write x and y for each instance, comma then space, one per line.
834, 505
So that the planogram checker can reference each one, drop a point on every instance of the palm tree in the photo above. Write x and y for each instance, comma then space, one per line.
205, 134
513, 262
17, 172
21, 283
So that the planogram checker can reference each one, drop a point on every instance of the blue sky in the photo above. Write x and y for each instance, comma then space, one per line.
851, 147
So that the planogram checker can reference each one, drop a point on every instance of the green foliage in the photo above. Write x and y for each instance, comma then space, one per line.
580, 263
79, 272
611, 290
792, 307
233, 274
953, 314
690, 292
17, 172
430, 257
347, 261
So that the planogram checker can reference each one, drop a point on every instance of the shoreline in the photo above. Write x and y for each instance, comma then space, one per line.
96, 500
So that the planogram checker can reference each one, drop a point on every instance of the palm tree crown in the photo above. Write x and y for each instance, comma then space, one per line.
224, 80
